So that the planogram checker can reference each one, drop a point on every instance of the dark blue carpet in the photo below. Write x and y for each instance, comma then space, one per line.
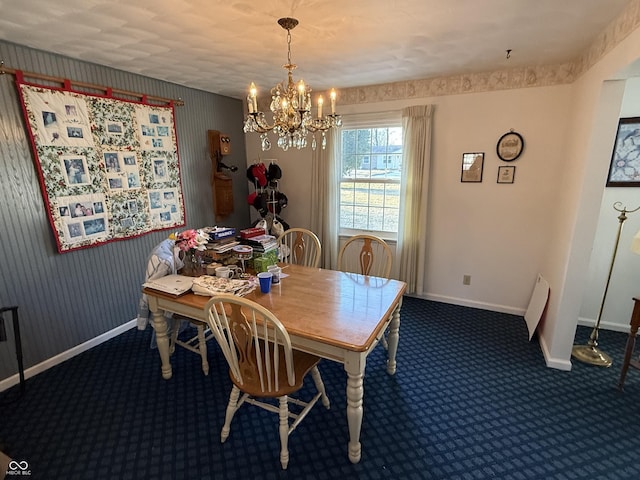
472, 399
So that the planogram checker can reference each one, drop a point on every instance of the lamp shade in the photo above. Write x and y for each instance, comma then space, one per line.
635, 244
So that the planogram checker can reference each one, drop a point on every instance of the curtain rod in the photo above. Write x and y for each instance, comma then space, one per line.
12, 71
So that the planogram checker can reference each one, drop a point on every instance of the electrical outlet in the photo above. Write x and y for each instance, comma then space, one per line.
466, 280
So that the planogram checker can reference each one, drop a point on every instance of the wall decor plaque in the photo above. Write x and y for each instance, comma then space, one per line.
510, 146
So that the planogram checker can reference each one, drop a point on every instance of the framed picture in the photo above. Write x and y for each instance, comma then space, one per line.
472, 165
510, 146
506, 174
624, 170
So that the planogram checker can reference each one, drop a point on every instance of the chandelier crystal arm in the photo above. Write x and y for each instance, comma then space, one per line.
290, 107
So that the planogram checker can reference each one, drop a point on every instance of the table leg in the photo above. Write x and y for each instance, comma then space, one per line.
631, 342
354, 367
394, 335
202, 348
162, 340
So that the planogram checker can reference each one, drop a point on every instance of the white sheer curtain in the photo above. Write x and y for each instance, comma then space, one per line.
324, 198
412, 229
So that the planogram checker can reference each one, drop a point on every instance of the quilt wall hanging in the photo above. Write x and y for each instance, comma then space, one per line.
108, 168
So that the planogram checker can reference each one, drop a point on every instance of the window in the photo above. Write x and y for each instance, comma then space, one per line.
371, 163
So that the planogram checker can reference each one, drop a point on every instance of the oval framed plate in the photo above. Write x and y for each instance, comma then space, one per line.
510, 146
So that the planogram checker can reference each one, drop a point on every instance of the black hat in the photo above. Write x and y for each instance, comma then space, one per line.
275, 172
260, 204
282, 201
250, 176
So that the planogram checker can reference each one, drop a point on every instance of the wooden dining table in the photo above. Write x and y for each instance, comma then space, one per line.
335, 315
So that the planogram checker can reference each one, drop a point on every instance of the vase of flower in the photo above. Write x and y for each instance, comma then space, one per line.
191, 244
193, 264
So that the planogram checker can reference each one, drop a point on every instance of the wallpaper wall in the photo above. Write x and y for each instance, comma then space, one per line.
65, 300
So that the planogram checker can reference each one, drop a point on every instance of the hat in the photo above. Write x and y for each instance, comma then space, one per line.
276, 228
285, 225
259, 172
260, 204
275, 172
262, 223
251, 198
250, 176
282, 199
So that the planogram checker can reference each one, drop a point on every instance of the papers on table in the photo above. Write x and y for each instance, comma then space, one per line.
210, 286
204, 285
173, 284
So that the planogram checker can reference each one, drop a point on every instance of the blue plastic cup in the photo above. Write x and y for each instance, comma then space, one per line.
265, 281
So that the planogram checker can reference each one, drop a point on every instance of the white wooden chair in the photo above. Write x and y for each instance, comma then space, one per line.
161, 262
196, 344
300, 246
366, 255
262, 364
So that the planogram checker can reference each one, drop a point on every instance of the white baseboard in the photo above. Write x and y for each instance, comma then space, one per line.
61, 357
585, 322
473, 304
561, 364
604, 325
557, 363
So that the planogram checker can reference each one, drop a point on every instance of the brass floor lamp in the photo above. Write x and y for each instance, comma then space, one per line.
590, 353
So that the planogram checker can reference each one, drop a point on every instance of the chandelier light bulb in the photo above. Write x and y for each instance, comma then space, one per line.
333, 101
252, 100
301, 94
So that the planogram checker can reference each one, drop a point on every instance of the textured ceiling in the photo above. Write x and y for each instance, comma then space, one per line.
222, 46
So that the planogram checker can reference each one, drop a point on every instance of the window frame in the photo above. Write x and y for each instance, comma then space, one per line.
369, 121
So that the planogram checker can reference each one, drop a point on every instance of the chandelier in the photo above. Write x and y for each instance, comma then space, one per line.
291, 109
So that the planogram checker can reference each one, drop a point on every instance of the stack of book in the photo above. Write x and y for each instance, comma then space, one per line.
265, 251
221, 243
223, 246
261, 243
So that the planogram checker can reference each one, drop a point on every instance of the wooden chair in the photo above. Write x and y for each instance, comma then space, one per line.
300, 246
196, 344
366, 255
262, 364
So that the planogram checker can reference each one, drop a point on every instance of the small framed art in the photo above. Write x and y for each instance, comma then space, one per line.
624, 170
510, 146
472, 165
506, 174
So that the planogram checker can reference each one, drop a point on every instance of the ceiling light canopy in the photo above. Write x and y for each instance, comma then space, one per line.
291, 108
